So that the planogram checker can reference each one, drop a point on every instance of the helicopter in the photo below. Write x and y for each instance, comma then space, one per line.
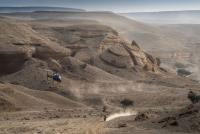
55, 76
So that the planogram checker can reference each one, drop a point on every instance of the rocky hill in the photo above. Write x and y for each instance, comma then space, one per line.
91, 53
97, 46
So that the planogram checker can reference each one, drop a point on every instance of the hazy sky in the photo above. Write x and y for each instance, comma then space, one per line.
112, 5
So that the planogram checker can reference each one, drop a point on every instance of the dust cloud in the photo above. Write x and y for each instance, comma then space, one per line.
121, 114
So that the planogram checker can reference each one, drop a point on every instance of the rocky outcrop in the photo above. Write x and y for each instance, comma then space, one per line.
141, 58
121, 54
116, 56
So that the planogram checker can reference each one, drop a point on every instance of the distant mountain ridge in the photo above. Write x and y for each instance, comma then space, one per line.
178, 11
33, 9
167, 17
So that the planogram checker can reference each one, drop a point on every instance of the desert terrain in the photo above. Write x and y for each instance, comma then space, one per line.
177, 41
103, 58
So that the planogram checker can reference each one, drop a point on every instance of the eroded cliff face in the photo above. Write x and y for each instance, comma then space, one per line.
102, 47
92, 52
125, 59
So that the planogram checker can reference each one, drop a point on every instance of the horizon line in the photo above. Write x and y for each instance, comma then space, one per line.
101, 10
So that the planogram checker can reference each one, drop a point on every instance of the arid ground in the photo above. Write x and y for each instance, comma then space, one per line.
103, 58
